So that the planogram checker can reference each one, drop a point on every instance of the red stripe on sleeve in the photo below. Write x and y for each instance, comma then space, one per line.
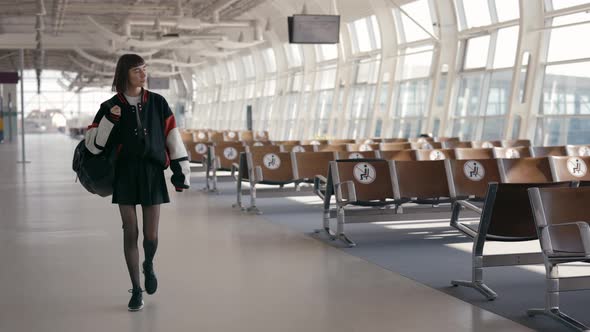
93, 125
122, 99
170, 124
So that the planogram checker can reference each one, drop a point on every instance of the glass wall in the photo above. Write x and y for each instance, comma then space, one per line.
564, 110
484, 83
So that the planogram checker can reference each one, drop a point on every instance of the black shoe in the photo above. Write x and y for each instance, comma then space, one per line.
136, 302
151, 282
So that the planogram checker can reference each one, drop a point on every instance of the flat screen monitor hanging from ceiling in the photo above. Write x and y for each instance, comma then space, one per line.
314, 29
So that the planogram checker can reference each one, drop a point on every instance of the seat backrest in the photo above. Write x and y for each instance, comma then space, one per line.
341, 141
289, 142
507, 211
525, 170
315, 141
394, 140
263, 148
276, 166
186, 136
578, 150
435, 154
516, 152
261, 135
420, 139
246, 136
200, 136
395, 146
468, 178
421, 179
554, 206
258, 143
297, 147
215, 136
508, 143
446, 139
485, 144
362, 147
357, 155
546, 151
429, 145
455, 144
331, 147
231, 136
474, 153
565, 168
368, 140
371, 178
306, 165
399, 155
228, 153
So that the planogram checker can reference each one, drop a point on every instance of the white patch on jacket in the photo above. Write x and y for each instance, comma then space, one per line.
97, 137
175, 146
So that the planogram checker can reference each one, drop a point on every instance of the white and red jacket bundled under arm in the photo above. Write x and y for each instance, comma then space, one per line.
161, 144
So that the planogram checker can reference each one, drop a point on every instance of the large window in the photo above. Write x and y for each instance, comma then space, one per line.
416, 21
559, 4
484, 83
325, 80
564, 110
410, 108
361, 97
365, 34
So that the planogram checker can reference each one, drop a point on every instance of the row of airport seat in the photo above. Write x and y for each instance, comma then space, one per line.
506, 187
369, 190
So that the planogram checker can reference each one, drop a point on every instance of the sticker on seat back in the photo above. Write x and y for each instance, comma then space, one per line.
436, 155
356, 155
298, 148
512, 154
576, 167
230, 153
474, 170
487, 145
201, 148
365, 147
364, 173
271, 161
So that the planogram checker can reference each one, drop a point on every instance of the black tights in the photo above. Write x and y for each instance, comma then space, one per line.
151, 218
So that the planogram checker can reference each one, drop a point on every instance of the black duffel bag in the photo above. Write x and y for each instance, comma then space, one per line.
95, 172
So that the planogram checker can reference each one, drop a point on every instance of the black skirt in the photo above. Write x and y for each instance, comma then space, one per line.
139, 181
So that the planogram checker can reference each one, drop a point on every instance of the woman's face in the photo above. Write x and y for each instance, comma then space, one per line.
137, 77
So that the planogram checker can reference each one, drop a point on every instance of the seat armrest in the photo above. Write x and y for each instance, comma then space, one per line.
351, 193
469, 206
319, 185
582, 228
234, 170
258, 174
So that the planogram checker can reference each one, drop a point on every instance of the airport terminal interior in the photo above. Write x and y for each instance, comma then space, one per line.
377, 165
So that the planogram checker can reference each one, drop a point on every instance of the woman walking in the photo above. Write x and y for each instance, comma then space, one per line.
141, 126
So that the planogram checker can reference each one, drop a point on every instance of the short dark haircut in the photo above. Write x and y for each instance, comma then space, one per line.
126, 62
